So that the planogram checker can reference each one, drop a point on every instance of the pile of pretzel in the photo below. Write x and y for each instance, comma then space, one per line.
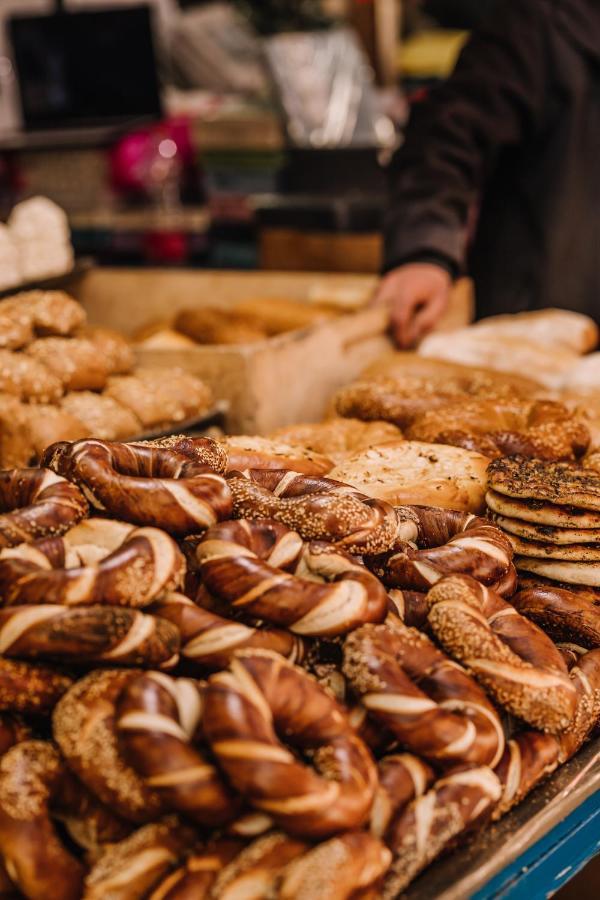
218, 683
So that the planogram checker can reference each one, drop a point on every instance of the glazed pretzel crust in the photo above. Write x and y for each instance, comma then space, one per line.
262, 696
143, 484
37, 503
265, 570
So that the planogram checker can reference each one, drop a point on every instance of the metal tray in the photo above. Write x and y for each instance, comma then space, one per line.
468, 869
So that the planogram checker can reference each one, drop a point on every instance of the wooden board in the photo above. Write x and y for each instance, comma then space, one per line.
268, 384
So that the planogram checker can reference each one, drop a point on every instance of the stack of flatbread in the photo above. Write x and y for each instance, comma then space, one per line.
551, 514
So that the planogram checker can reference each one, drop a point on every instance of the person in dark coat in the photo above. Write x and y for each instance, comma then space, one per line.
499, 175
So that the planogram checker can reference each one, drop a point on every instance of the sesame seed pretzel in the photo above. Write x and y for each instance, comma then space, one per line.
319, 509
37, 503
585, 675
27, 687
157, 720
195, 879
509, 655
345, 867
263, 698
84, 727
145, 485
421, 832
257, 868
209, 641
127, 566
402, 778
529, 757
31, 777
423, 698
448, 542
264, 569
87, 634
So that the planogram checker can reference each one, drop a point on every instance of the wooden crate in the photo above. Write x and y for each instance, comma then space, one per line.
268, 384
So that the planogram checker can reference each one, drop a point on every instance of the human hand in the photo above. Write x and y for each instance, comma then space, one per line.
418, 295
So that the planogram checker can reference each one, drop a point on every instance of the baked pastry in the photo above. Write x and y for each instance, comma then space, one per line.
48, 424
163, 338
218, 326
550, 328
28, 379
557, 483
249, 452
16, 447
102, 416
16, 329
278, 315
113, 347
158, 396
338, 437
411, 472
504, 353
474, 380
52, 312
76, 361
543, 429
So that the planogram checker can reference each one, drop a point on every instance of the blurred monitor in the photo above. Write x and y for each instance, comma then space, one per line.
85, 69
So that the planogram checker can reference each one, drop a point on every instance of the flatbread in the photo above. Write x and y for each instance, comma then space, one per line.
563, 571
405, 472
551, 534
544, 550
554, 482
539, 512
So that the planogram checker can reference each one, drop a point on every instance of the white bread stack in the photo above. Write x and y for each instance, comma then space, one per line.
40, 232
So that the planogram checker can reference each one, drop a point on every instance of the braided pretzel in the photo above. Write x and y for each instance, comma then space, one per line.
319, 509
585, 675
131, 567
428, 702
194, 880
29, 687
512, 658
36, 503
131, 868
402, 778
345, 867
565, 615
144, 485
529, 758
263, 696
84, 729
451, 542
234, 569
455, 804
86, 634
208, 641
157, 719
31, 777
255, 871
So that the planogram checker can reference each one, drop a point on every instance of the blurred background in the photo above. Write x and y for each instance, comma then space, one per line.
240, 134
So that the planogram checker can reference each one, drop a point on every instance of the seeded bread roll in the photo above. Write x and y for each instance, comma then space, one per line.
102, 416
216, 326
76, 361
159, 396
28, 379
48, 424
113, 347
16, 329
16, 447
52, 312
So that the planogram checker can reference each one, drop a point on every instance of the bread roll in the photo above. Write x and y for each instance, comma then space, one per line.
48, 424
549, 328
216, 326
407, 472
160, 396
28, 379
76, 361
165, 339
336, 438
16, 329
52, 312
115, 350
16, 445
278, 315
102, 416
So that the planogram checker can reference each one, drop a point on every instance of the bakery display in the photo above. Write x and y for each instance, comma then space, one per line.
297, 664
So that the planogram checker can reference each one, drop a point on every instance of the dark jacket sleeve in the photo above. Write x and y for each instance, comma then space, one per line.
494, 99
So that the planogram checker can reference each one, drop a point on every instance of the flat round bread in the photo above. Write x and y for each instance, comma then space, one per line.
541, 513
336, 438
564, 571
405, 472
544, 550
554, 482
551, 534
